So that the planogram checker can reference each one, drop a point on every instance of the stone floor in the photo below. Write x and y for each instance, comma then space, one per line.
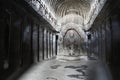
67, 70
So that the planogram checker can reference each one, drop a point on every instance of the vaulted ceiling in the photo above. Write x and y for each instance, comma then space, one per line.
84, 8
62, 7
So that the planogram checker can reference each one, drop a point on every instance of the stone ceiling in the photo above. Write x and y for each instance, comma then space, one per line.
87, 9
62, 7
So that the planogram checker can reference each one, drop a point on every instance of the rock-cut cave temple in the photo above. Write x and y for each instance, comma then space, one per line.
59, 39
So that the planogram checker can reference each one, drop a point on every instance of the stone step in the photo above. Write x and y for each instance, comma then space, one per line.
68, 58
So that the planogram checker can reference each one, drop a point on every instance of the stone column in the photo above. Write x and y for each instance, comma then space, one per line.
103, 43
45, 45
54, 45
40, 44
48, 44
42, 30
51, 41
35, 42
100, 43
97, 43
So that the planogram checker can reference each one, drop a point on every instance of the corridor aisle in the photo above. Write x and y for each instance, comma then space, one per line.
67, 70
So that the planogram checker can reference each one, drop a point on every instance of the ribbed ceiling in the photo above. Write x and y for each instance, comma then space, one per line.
62, 7
85, 10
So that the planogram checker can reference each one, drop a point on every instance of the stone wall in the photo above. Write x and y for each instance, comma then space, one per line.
26, 38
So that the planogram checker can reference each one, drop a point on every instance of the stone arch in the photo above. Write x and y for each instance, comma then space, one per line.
71, 29
75, 27
63, 49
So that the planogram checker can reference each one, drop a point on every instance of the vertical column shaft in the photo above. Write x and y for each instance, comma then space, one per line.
45, 51
48, 44
54, 44
51, 45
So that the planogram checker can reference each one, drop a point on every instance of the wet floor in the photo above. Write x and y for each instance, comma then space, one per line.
67, 70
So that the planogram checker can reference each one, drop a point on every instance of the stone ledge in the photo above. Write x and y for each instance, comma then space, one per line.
67, 57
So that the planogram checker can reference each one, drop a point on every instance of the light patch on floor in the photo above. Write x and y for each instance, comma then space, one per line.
68, 70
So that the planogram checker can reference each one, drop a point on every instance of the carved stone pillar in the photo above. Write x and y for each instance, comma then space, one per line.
35, 43
40, 44
54, 45
45, 44
51, 41
48, 44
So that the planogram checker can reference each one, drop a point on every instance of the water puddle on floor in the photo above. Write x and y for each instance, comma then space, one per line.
55, 66
81, 71
51, 78
77, 76
72, 67
76, 67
